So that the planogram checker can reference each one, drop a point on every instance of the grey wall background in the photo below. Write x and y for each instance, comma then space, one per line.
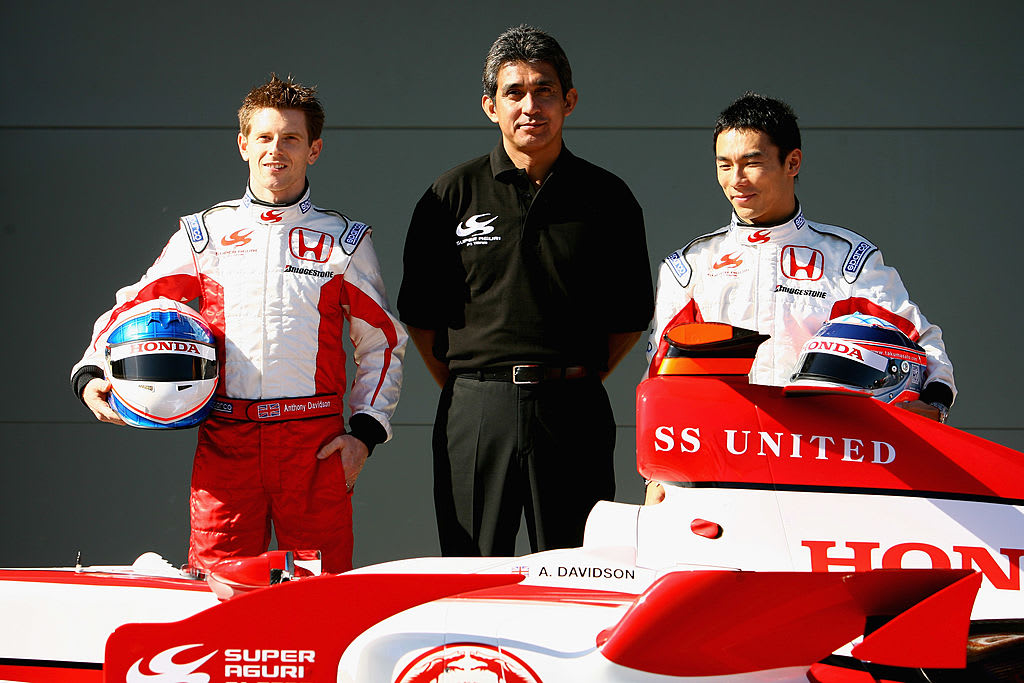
118, 117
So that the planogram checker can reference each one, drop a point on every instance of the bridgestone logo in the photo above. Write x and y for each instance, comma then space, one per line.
800, 292
307, 271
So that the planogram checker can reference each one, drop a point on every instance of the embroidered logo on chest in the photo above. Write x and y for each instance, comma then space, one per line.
236, 239
727, 265
310, 245
476, 230
801, 263
728, 261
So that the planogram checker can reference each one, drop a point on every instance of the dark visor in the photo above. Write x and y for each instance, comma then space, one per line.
163, 367
838, 369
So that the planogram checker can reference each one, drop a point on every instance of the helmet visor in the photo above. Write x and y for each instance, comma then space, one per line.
826, 366
163, 367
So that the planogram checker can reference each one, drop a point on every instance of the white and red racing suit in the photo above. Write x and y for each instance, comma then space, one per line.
785, 281
276, 284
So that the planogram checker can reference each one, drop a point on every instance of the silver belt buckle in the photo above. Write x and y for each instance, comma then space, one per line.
525, 380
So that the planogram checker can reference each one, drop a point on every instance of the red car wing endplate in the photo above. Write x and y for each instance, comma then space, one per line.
712, 623
307, 623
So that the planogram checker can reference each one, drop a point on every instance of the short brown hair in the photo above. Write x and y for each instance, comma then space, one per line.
287, 94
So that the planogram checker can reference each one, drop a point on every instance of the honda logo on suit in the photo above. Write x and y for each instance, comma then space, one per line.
310, 245
801, 263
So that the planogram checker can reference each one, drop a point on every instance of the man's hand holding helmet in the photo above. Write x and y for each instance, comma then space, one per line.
95, 397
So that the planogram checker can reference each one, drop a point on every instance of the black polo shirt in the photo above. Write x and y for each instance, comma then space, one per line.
507, 275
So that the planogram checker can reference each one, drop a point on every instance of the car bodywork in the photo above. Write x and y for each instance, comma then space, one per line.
827, 538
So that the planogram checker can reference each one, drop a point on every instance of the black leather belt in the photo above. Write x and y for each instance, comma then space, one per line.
526, 374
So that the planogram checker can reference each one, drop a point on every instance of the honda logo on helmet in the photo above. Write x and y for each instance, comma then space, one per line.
310, 245
161, 345
801, 263
838, 348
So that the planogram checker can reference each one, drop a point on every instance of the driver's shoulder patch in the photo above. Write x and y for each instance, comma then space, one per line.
195, 228
353, 236
352, 232
858, 248
678, 262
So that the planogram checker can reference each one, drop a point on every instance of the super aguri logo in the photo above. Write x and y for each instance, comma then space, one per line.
238, 665
476, 230
236, 239
728, 261
163, 669
476, 226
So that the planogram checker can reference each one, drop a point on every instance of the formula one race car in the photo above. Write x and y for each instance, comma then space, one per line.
824, 538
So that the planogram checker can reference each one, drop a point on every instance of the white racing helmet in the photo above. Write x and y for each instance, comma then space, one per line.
161, 361
860, 354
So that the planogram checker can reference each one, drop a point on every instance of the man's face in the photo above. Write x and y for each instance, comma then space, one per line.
278, 150
529, 107
759, 186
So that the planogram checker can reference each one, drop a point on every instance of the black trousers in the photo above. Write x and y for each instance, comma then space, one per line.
502, 451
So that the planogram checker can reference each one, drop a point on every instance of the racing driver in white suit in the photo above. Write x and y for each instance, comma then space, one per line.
773, 271
276, 278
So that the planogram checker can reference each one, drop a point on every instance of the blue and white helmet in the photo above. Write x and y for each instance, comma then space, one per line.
161, 361
860, 354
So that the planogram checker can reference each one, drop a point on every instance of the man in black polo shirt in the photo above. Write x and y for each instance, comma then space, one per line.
526, 281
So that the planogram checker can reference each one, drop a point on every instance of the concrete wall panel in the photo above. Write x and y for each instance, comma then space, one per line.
119, 118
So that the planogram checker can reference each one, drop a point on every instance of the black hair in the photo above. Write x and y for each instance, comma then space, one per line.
772, 117
525, 44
